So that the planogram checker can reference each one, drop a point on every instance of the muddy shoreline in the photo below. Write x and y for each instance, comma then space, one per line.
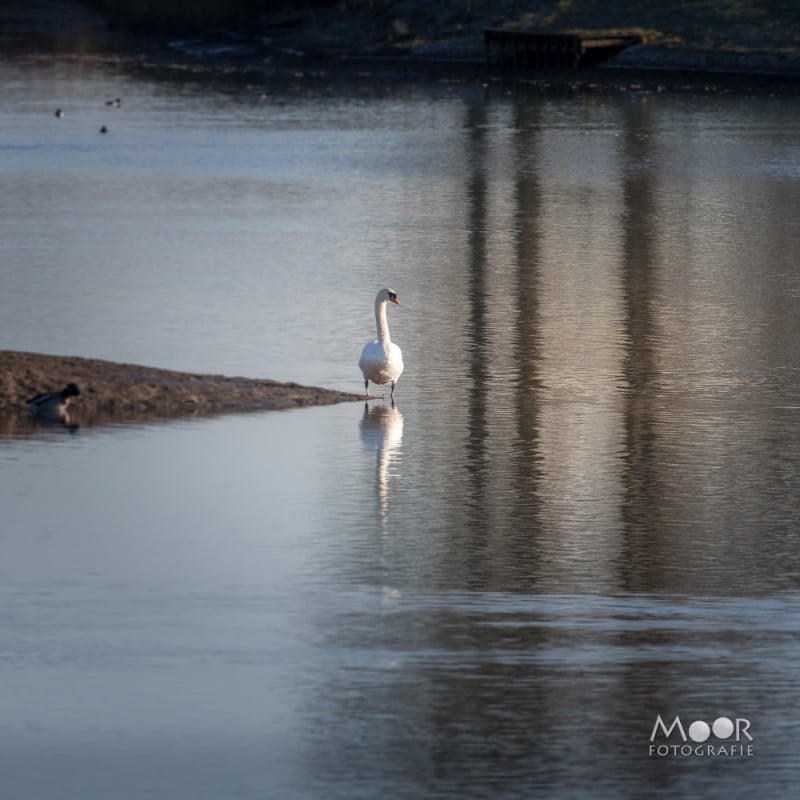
740, 55
113, 392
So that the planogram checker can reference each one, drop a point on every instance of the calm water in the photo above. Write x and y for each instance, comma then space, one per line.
581, 514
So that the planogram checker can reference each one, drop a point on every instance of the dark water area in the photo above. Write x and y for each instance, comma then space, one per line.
579, 516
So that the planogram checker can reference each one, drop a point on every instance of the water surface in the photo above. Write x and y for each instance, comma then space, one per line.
580, 514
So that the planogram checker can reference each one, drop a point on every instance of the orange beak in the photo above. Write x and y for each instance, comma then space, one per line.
395, 300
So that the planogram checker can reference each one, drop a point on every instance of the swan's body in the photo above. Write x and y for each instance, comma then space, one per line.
382, 360
53, 403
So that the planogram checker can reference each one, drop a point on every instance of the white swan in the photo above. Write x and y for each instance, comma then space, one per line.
382, 360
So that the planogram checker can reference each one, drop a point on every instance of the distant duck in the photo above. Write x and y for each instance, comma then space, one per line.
104, 129
114, 103
53, 404
382, 360
58, 113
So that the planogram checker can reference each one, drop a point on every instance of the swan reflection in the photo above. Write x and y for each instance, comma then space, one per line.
382, 430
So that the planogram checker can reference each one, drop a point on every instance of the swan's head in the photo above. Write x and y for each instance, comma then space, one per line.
390, 295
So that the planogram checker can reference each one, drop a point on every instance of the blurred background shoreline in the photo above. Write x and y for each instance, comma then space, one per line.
748, 44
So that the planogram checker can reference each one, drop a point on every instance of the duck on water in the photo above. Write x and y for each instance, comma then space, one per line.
53, 404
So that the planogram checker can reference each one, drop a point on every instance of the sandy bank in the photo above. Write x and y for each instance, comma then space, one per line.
120, 392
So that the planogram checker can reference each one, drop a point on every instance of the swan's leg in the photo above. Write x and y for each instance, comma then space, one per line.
393, 391
366, 388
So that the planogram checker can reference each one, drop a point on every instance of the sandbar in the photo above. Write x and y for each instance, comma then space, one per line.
113, 391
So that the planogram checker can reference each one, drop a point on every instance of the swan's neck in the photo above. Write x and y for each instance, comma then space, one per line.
381, 323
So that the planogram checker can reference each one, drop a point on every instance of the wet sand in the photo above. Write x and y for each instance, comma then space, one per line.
112, 392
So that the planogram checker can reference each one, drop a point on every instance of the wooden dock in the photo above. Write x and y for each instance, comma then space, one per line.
525, 50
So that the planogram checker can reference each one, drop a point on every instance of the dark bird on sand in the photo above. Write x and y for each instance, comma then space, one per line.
53, 403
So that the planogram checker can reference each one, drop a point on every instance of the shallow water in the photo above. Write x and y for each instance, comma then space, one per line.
580, 514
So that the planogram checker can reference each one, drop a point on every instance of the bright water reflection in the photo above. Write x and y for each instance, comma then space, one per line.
580, 514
